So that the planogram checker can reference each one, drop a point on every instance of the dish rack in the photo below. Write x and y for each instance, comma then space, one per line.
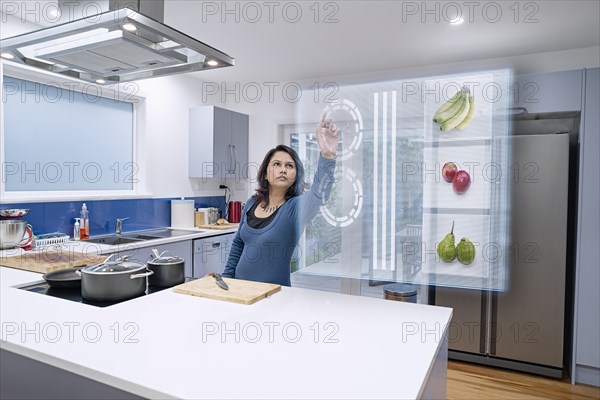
58, 240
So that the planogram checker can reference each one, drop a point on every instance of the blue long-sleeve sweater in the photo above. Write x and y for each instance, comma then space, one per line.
264, 255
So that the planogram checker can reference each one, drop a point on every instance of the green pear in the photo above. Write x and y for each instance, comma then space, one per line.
446, 250
465, 251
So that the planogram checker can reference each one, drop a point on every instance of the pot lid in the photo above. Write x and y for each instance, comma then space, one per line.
162, 259
120, 265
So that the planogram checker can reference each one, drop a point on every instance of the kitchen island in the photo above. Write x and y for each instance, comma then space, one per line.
298, 343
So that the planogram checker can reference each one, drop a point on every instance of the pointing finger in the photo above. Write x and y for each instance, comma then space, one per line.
324, 116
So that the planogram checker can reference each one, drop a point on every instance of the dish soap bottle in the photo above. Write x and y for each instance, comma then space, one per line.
76, 231
84, 227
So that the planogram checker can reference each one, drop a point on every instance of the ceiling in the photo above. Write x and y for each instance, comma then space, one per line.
369, 36
283, 41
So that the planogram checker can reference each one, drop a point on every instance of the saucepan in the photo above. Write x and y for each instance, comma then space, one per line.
113, 280
168, 270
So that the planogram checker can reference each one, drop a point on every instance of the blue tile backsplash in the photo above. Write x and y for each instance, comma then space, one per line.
143, 214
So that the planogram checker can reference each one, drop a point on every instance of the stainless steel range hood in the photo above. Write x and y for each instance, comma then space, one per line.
113, 47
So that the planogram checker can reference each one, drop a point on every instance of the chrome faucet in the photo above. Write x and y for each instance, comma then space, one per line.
120, 224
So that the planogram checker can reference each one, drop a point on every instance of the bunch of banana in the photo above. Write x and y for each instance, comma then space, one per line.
458, 112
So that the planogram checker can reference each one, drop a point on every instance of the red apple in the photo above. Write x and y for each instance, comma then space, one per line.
461, 182
448, 171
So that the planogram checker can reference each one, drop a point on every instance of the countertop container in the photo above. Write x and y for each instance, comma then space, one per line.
182, 213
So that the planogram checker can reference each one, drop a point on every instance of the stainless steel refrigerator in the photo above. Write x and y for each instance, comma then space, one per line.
526, 327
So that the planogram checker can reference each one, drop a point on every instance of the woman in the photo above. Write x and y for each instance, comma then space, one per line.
274, 218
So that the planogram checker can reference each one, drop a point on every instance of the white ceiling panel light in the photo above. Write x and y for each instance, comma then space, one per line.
113, 47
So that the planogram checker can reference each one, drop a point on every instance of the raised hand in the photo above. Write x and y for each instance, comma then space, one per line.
328, 136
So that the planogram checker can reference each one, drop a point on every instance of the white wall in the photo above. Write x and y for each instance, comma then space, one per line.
165, 136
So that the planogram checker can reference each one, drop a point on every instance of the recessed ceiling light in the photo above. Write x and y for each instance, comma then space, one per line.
129, 27
54, 13
212, 63
8, 56
457, 21
100, 81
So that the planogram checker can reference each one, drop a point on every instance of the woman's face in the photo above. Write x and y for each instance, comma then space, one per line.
281, 172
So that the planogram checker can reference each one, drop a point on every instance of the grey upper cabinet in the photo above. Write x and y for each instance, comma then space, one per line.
587, 318
218, 143
547, 92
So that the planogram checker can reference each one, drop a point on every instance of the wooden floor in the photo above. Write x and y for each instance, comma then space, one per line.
470, 381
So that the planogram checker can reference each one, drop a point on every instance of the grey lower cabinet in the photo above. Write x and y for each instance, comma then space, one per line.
466, 332
143, 254
211, 253
218, 143
586, 351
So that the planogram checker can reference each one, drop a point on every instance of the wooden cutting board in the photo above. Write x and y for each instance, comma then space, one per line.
215, 226
240, 291
48, 261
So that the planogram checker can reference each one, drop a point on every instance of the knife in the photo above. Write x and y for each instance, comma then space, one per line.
219, 280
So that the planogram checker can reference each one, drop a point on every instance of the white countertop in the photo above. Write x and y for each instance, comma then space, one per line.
297, 343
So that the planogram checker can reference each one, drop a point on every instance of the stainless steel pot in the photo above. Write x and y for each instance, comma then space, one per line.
168, 270
12, 234
113, 280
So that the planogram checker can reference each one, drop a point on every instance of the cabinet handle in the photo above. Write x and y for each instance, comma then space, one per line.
234, 159
517, 110
215, 245
230, 158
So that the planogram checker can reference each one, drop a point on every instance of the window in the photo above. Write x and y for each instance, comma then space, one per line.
66, 138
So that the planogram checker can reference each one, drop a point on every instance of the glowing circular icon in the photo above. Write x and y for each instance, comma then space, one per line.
347, 117
346, 218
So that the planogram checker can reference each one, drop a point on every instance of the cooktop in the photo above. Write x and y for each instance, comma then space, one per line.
74, 294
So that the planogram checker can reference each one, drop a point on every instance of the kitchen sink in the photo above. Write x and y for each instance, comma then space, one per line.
139, 236
114, 240
142, 237
160, 233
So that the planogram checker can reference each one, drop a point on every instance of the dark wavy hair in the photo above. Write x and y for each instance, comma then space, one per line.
299, 186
